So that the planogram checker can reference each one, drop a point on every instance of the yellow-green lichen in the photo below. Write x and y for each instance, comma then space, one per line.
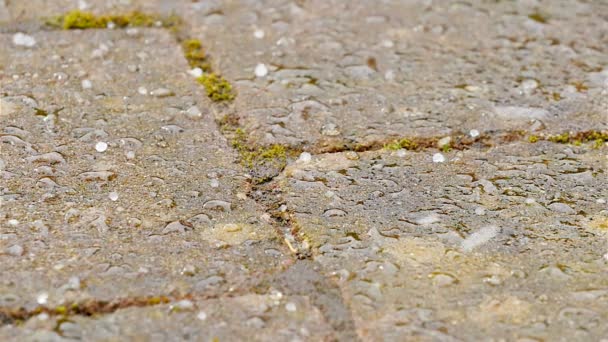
82, 20
274, 155
217, 88
195, 54
533, 139
563, 138
401, 144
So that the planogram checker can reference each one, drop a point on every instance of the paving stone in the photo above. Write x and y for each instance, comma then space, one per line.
248, 317
359, 71
110, 191
509, 242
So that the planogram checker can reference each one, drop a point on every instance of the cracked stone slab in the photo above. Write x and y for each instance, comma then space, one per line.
506, 243
324, 73
248, 317
111, 186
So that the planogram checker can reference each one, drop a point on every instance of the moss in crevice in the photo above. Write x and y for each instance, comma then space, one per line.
82, 20
195, 54
217, 88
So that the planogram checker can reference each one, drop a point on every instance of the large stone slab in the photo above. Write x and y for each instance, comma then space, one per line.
506, 243
337, 72
115, 180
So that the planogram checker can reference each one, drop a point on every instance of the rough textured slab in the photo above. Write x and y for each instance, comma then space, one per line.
250, 317
505, 243
363, 71
161, 209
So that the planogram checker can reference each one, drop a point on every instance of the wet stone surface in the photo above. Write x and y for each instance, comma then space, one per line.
507, 242
110, 191
119, 186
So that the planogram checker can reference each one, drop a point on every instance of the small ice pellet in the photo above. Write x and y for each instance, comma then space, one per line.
474, 133
291, 307
530, 201
438, 158
202, 315
22, 39
259, 34
196, 72
113, 196
601, 201
13, 222
42, 298
305, 157
261, 70
101, 146
142, 90
86, 84
214, 183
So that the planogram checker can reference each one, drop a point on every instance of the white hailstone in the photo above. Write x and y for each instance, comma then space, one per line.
113, 196
291, 307
111, 25
305, 157
388, 43
438, 158
130, 155
13, 222
401, 153
474, 133
444, 142
86, 84
530, 201
259, 34
22, 39
101, 146
142, 90
42, 298
601, 201
202, 315
196, 72
261, 70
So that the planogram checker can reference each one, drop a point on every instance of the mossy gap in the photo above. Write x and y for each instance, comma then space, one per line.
217, 88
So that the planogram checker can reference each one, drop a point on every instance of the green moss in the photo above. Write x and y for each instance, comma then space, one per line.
217, 88
563, 138
401, 144
81, 20
446, 148
274, 155
61, 310
598, 143
195, 54
533, 139
538, 17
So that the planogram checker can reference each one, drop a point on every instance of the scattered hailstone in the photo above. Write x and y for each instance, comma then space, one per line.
305, 157
474, 133
101, 146
113, 196
13, 222
261, 70
22, 39
111, 25
291, 307
196, 72
202, 315
530, 201
445, 141
259, 34
142, 90
401, 153
86, 84
42, 298
438, 158
601, 201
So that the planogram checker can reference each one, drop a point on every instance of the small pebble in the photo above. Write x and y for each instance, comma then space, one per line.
480, 211
474, 133
15, 250
130, 155
261, 70
438, 158
113, 196
22, 39
444, 142
101, 146
161, 92
401, 153
601, 201
530, 201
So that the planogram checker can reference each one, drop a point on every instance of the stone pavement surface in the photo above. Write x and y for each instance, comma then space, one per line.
127, 211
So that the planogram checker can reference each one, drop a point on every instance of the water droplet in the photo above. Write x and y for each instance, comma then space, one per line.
474, 133
113, 196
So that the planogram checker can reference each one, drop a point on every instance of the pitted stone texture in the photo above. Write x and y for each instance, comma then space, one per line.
361, 71
249, 317
506, 243
161, 208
